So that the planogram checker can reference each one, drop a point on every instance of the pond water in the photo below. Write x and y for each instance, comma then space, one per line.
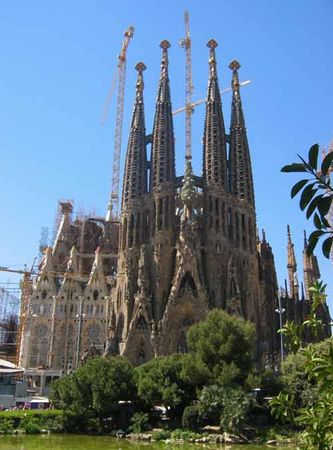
83, 442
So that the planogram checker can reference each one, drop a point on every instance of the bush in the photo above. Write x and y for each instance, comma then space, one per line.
236, 407
161, 435
31, 421
6, 425
186, 435
191, 417
31, 425
139, 422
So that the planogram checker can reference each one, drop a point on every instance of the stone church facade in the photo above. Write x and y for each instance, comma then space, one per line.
182, 246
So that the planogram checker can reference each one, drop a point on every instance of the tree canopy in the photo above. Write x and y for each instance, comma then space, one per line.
221, 350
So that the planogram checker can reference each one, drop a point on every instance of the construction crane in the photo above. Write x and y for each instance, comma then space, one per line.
186, 44
120, 78
203, 100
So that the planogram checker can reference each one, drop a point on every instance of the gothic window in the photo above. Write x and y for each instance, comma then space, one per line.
188, 283
160, 214
33, 353
223, 218
141, 323
44, 294
141, 357
43, 350
94, 331
131, 231
250, 235
230, 224
138, 228
182, 344
124, 232
95, 294
244, 242
237, 227
166, 200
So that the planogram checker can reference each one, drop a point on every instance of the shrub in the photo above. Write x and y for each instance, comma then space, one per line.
31, 425
6, 425
139, 422
186, 435
191, 417
161, 435
31, 421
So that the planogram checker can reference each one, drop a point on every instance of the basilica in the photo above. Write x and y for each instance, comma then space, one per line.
183, 244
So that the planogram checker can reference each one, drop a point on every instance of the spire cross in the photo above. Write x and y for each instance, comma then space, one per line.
212, 44
165, 61
235, 66
140, 67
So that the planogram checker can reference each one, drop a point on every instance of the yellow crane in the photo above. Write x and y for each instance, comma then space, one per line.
120, 78
186, 44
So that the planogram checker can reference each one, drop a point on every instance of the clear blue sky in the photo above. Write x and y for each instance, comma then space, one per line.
57, 60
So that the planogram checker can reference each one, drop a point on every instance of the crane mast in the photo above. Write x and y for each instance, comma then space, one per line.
186, 44
114, 198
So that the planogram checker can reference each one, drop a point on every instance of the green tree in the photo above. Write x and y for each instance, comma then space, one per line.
307, 399
94, 390
226, 406
221, 350
160, 381
316, 196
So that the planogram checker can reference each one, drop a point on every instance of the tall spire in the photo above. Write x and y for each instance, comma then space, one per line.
291, 264
163, 150
135, 179
215, 160
241, 182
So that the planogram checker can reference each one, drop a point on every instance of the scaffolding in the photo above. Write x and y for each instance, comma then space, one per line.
9, 312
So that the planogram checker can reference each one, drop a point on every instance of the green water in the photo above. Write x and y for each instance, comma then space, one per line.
83, 442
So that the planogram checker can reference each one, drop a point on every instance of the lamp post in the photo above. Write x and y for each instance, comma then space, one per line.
280, 311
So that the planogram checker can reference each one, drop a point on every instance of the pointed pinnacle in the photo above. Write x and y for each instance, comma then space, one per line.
305, 240
140, 67
234, 66
212, 44
165, 44
165, 61
263, 235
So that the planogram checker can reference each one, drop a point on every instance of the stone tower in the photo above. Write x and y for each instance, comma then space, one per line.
182, 246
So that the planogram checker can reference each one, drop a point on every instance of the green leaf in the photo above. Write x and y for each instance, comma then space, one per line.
316, 234
327, 246
313, 241
326, 164
313, 156
294, 167
297, 187
317, 221
311, 246
312, 206
307, 195
324, 205
325, 222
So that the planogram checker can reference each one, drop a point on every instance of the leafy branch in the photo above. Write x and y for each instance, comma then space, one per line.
316, 196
